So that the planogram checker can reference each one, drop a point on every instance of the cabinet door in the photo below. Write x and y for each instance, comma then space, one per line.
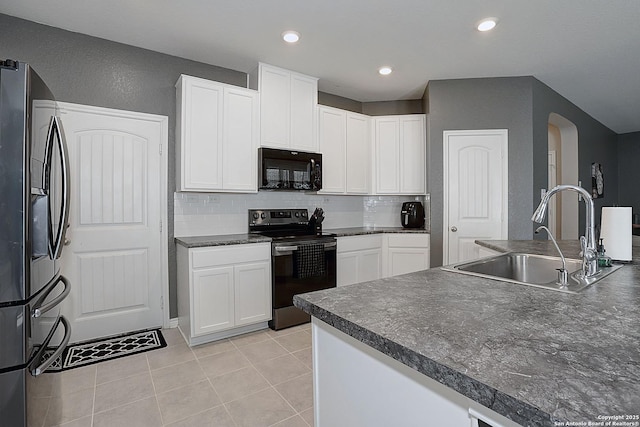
413, 159
347, 268
332, 135
358, 154
252, 293
407, 260
387, 155
275, 107
212, 304
240, 140
304, 102
201, 135
370, 265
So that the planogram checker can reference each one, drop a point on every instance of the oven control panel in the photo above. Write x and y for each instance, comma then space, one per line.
259, 217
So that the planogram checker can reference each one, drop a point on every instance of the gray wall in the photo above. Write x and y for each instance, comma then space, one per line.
379, 108
596, 143
87, 70
522, 105
629, 170
492, 103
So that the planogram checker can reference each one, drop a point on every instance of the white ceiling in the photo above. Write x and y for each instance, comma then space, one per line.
586, 50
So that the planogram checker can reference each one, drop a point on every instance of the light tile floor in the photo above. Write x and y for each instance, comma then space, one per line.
257, 379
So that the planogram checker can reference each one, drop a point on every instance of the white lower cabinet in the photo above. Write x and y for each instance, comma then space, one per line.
223, 290
359, 259
406, 253
370, 257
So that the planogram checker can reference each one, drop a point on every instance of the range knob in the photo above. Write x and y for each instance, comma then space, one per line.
256, 215
263, 215
297, 214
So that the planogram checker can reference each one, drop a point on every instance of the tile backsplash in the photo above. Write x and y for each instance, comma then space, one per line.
200, 214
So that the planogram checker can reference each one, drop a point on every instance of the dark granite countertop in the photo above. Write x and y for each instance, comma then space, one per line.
535, 356
240, 239
358, 231
227, 239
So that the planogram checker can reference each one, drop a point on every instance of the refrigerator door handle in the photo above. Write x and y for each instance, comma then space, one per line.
57, 241
57, 353
40, 308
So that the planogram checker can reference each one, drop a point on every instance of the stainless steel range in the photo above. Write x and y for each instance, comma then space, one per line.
303, 259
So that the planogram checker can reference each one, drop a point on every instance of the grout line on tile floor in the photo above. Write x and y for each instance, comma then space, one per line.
155, 392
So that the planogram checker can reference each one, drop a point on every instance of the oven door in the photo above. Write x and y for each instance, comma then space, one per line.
297, 270
287, 280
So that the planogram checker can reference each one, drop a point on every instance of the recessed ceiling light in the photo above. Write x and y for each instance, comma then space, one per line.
385, 71
487, 24
291, 36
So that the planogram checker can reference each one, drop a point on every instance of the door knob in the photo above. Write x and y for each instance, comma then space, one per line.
454, 228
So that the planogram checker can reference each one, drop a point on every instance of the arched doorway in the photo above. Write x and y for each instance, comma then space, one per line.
563, 169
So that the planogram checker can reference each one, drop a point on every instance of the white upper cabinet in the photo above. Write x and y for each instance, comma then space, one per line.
288, 103
358, 153
413, 154
400, 154
344, 143
332, 137
217, 136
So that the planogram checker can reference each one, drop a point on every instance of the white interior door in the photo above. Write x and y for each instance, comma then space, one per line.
475, 191
116, 255
552, 209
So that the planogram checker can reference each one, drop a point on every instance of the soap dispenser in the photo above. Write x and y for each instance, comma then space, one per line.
603, 260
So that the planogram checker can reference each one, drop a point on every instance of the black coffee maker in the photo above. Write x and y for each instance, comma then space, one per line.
412, 215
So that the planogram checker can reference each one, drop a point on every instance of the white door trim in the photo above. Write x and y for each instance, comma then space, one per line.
163, 121
445, 179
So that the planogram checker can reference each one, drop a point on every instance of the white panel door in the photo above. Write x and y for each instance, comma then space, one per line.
213, 300
413, 149
240, 140
358, 157
370, 265
347, 268
202, 126
552, 172
304, 103
387, 155
275, 107
475, 191
116, 255
252, 293
407, 260
332, 146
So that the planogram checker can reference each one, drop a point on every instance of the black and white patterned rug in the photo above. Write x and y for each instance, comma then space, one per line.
89, 352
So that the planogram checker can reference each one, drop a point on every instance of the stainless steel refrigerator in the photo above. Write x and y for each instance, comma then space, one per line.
34, 209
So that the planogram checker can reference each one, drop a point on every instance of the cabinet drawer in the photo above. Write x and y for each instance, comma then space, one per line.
233, 254
358, 243
406, 240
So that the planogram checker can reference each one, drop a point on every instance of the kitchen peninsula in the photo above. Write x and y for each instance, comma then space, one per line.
440, 348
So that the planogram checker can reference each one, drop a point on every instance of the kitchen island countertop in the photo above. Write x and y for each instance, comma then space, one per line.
535, 356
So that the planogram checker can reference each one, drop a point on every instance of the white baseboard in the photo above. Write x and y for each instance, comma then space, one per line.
173, 323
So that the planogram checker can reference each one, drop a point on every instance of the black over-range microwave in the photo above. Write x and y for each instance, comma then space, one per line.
289, 170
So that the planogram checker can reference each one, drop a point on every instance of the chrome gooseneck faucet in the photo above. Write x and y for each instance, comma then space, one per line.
588, 241
562, 272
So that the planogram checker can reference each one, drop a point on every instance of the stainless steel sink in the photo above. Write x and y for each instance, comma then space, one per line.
531, 270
